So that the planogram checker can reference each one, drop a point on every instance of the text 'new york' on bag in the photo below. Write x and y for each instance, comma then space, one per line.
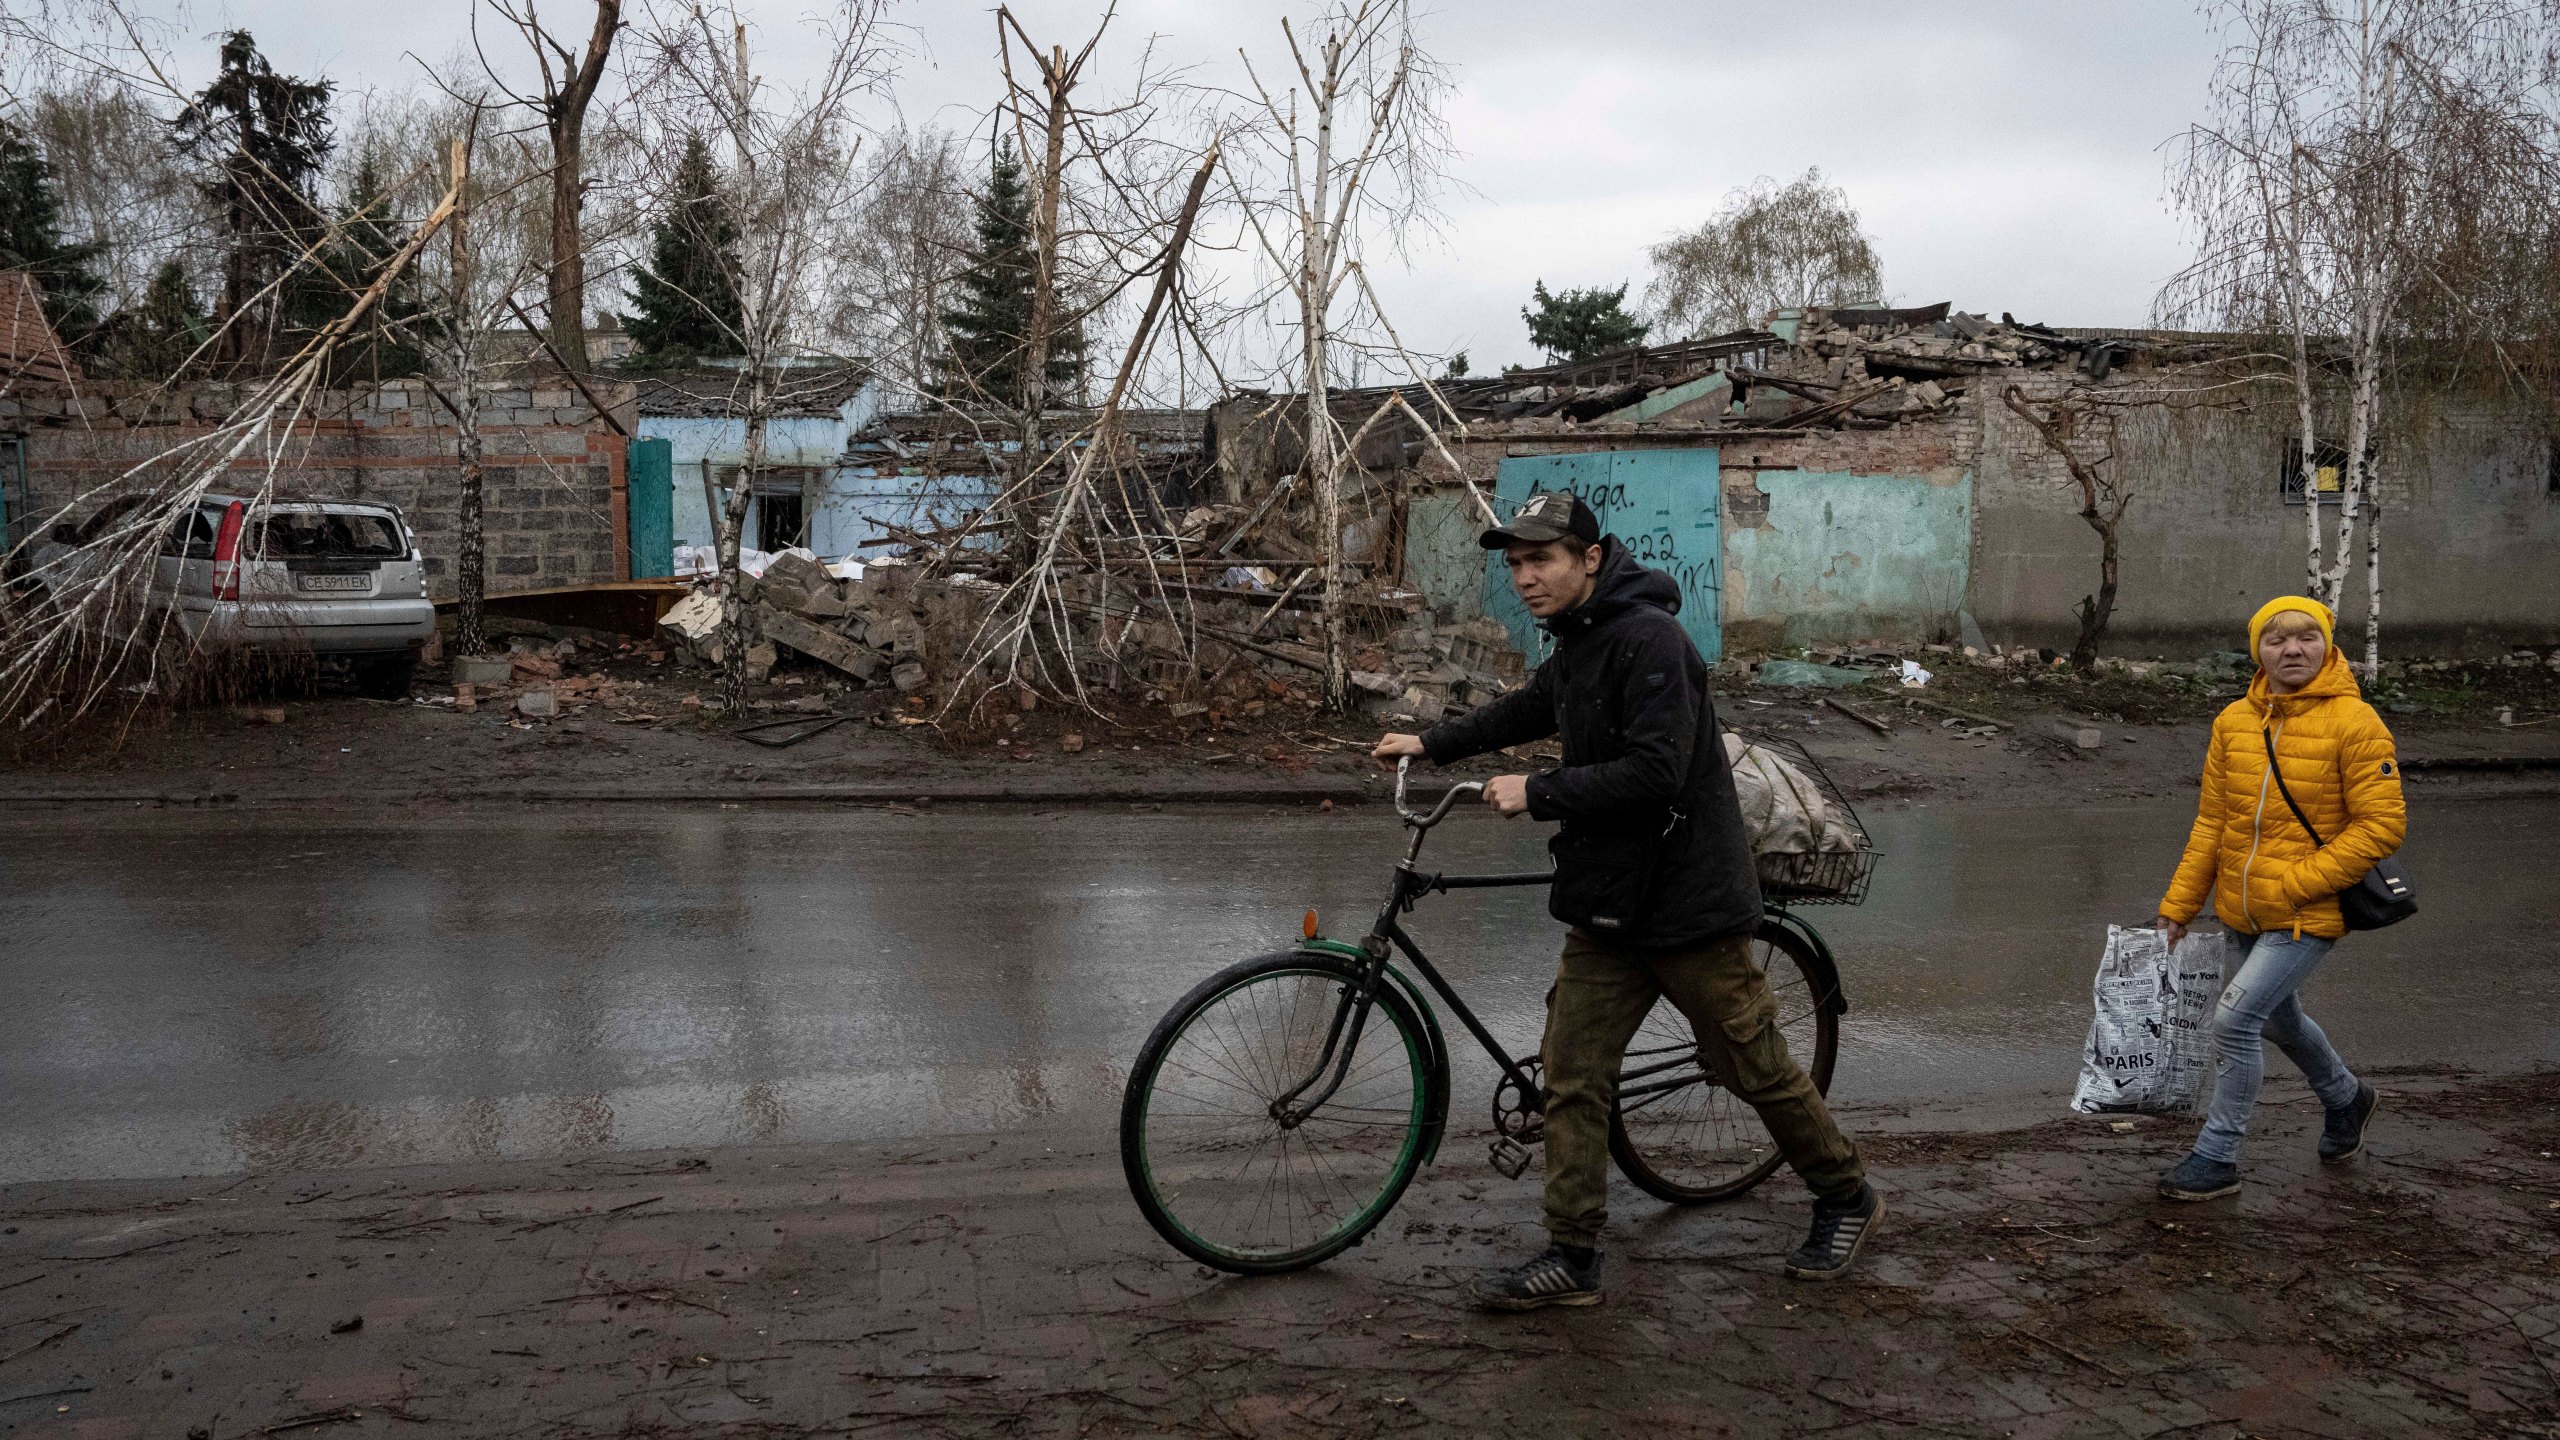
2382, 896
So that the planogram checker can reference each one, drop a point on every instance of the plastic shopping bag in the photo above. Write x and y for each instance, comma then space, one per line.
2147, 1049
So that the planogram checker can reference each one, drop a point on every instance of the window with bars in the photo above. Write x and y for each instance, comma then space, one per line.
2328, 473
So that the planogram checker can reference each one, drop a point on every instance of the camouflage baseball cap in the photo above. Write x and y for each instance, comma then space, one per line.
1549, 515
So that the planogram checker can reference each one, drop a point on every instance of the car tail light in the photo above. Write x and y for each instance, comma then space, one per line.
226, 551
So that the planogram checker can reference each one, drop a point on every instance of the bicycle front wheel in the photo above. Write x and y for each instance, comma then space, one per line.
1676, 1131
1276, 1114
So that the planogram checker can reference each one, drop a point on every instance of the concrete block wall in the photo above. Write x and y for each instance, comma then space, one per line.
554, 508
2471, 530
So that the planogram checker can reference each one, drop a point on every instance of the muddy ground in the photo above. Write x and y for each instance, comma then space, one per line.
2025, 1283
633, 724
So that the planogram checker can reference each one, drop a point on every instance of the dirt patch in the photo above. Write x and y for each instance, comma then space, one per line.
2025, 1282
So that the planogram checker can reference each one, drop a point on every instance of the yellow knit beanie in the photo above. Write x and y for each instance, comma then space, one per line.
2283, 603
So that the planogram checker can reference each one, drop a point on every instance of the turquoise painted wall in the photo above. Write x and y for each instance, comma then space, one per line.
1838, 557
1662, 504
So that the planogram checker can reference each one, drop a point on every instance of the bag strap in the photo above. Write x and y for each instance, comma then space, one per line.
2277, 771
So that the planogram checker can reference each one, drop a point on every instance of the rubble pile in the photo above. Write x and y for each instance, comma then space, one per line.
1818, 368
539, 683
1425, 671
872, 629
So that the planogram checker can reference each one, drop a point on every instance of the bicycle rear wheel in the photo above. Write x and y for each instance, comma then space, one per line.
1675, 1130
1218, 1159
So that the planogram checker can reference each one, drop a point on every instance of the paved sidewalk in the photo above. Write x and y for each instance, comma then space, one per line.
2027, 1284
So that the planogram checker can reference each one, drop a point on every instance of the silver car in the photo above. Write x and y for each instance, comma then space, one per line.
340, 581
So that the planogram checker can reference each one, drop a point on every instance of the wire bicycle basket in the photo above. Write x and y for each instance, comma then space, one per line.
1820, 877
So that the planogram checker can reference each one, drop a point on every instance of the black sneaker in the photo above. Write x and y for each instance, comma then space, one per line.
1839, 1228
1550, 1279
2196, 1178
2342, 1137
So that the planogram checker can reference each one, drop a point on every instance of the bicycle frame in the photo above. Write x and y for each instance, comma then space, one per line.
1387, 934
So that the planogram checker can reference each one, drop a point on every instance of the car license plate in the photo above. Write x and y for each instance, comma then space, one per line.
358, 583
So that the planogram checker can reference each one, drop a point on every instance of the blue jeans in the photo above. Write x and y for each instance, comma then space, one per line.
2261, 999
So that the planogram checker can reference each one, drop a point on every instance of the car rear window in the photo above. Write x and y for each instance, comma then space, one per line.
194, 534
318, 534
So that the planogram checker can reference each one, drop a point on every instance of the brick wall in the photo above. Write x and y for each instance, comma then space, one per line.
554, 512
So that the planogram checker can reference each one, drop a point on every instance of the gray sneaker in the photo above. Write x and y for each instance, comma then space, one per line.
2196, 1178
1839, 1228
1550, 1279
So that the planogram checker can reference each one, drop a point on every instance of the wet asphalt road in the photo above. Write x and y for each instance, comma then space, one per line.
199, 993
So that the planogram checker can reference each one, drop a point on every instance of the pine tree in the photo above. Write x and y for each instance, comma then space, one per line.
31, 240
1580, 324
153, 340
263, 137
991, 326
686, 297
390, 344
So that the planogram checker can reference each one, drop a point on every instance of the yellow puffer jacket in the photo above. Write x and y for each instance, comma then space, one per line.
2247, 849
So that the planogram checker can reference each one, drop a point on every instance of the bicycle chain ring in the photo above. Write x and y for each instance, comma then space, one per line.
1517, 1114
1519, 1119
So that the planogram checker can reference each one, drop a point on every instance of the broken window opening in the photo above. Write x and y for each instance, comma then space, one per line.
780, 520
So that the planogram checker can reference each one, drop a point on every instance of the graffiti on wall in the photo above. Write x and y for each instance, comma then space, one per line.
1661, 504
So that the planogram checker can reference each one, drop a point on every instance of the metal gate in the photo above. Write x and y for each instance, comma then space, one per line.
649, 474
1663, 505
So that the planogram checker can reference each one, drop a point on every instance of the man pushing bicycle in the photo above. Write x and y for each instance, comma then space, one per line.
1655, 879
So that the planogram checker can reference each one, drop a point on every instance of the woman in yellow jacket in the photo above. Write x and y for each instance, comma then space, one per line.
2275, 888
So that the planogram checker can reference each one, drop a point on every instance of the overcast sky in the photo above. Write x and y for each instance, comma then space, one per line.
2004, 154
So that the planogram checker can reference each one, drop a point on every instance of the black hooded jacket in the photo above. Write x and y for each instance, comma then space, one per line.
1629, 696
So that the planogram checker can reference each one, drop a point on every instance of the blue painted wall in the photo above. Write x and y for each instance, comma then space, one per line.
1662, 504
789, 440
1841, 557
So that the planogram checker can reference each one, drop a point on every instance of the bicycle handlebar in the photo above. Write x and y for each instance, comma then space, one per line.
1419, 820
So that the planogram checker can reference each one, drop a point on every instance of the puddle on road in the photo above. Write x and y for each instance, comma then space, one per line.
291, 992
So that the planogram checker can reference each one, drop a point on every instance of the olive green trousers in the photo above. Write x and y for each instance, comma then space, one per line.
1602, 995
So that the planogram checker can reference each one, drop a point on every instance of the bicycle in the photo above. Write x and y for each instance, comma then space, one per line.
1278, 1111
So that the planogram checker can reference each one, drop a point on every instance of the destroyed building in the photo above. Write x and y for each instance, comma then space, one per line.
1851, 475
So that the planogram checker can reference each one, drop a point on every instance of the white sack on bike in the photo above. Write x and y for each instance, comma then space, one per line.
2147, 1050
1782, 809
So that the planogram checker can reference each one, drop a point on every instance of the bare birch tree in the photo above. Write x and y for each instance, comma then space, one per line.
2343, 133
1345, 148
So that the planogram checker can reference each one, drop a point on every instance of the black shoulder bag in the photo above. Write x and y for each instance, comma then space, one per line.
2383, 897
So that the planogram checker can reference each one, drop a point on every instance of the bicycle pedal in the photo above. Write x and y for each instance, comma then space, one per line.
1510, 1157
